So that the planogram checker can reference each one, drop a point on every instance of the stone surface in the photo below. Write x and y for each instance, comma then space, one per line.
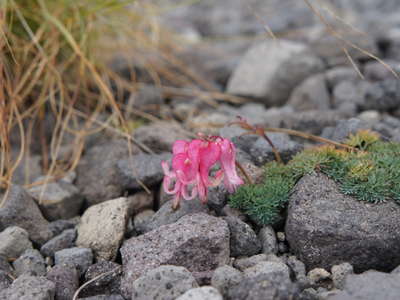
261, 152
201, 293
167, 215
102, 228
198, 242
4, 265
62, 241
163, 283
298, 269
271, 268
97, 176
268, 240
382, 95
108, 284
28, 287
57, 227
243, 239
339, 274
159, 136
312, 93
140, 201
57, 200
243, 263
226, 277
141, 169
270, 70
264, 287
346, 127
27, 170
66, 280
346, 92
370, 285
104, 297
325, 227
79, 258
19, 209
142, 218
318, 275
147, 98
13, 242
31, 262
5, 280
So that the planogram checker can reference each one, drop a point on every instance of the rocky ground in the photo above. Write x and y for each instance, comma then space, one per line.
99, 220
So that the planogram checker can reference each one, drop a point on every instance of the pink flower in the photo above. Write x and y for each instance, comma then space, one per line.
191, 164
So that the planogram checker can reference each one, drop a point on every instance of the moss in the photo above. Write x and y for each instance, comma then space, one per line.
370, 174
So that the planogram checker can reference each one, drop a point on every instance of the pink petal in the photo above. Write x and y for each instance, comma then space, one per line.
209, 155
227, 159
179, 146
167, 183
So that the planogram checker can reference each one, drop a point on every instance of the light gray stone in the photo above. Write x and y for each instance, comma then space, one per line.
31, 262
268, 240
318, 275
102, 228
201, 293
13, 242
163, 283
243, 263
225, 277
270, 268
339, 274
79, 258
28, 287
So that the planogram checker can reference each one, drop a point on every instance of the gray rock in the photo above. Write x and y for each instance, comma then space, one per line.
229, 211
5, 280
346, 127
243, 239
318, 275
312, 93
375, 70
142, 218
28, 287
66, 280
4, 265
382, 95
371, 117
13, 242
159, 136
59, 226
263, 287
269, 71
340, 74
298, 268
261, 152
57, 200
165, 282
347, 92
396, 270
147, 98
217, 198
140, 201
198, 242
325, 227
225, 277
109, 284
268, 240
370, 285
270, 268
102, 228
31, 262
79, 258
62, 241
167, 215
339, 274
141, 168
243, 263
97, 176
201, 293
282, 248
27, 170
19, 209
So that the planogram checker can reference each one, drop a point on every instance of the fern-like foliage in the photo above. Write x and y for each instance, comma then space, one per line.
371, 174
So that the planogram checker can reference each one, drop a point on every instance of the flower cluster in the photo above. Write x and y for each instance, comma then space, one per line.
191, 165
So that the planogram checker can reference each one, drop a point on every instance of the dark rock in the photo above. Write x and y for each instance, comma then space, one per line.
268, 240
325, 227
271, 79
140, 201
370, 285
261, 152
59, 226
311, 94
28, 287
346, 127
19, 209
104, 297
198, 242
298, 269
31, 262
13, 242
97, 175
382, 95
66, 280
159, 136
79, 258
163, 283
347, 92
243, 239
167, 215
4, 265
57, 200
62, 241
226, 277
263, 287
339, 74
141, 169
108, 284
142, 218
228, 211
5, 280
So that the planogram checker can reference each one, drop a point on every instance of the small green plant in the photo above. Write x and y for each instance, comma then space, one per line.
371, 173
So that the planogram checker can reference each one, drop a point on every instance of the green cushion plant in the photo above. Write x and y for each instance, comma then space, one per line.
370, 172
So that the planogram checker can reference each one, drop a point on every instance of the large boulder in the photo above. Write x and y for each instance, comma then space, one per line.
198, 242
326, 228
